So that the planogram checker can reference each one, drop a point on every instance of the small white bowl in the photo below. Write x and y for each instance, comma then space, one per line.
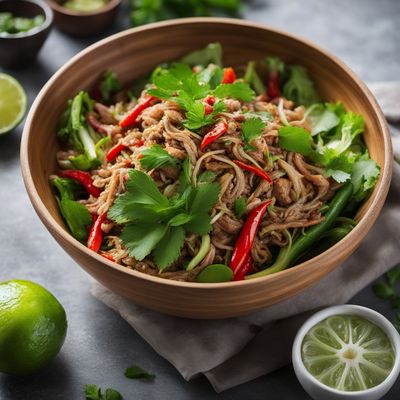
319, 391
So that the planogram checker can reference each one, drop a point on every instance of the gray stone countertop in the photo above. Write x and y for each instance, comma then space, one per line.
99, 344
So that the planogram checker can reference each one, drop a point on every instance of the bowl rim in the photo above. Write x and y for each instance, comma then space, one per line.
48, 21
348, 309
111, 4
54, 227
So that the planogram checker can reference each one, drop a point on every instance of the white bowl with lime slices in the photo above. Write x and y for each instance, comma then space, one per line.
347, 352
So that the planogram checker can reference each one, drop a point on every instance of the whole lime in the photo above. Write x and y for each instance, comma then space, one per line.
33, 326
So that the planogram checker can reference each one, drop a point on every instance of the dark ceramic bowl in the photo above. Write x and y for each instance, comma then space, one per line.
84, 23
19, 49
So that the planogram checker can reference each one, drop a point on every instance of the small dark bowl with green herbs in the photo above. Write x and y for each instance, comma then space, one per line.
84, 18
24, 27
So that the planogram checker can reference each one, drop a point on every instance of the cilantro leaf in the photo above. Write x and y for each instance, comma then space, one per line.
297, 139
156, 157
238, 90
112, 394
240, 206
205, 197
141, 239
365, 174
252, 129
196, 117
299, 88
206, 177
156, 224
169, 248
136, 372
93, 392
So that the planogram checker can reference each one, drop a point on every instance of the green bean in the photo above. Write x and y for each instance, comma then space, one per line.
289, 254
328, 240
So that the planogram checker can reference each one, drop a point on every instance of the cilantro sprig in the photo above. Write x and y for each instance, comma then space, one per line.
387, 290
93, 392
136, 372
252, 129
155, 224
187, 88
156, 157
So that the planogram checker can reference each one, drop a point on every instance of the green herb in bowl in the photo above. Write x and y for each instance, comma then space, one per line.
9, 23
85, 5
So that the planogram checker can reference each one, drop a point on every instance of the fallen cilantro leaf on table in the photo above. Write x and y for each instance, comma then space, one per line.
93, 392
136, 372
387, 291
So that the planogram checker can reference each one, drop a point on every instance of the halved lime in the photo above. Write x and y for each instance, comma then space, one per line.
12, 103
348, 352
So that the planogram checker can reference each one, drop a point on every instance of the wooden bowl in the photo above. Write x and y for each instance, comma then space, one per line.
135, 52
20, 49
84, 24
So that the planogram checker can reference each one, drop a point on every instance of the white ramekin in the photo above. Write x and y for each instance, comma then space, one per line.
319, 391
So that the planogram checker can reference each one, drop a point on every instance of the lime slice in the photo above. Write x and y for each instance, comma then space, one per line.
12, 103
348, 353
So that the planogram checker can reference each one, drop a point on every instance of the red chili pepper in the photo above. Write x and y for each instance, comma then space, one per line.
275, 67
210, 100
84, 178
114, 152
107, 255
273, 85
96, 235
245, 241
255, 170
245, 269
229, 75
218, 130
132, 115
208, 109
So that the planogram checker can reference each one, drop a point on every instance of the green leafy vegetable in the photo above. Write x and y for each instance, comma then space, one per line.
211, 54
75, 214
136, 372
323, 118
336, 150
186, 88
109, 86
74, 129
297, 139
251, 77
387, 290
12, 24
147, 11
93, 392
156, 157
252, 129
299, 87
240, 206
238, 90
156, 224
212, 75
364, 175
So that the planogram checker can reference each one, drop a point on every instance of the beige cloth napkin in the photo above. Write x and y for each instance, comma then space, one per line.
233, 351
